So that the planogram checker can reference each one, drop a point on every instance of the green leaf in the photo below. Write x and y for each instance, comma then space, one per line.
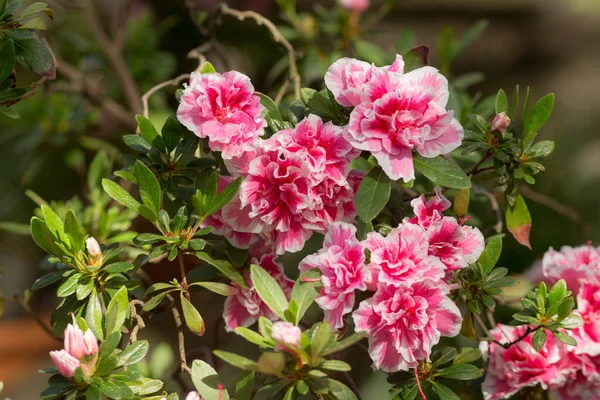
149, 133
236, 360
34, 24
150, 386
271, 363
244, 386
370, 52
467, 355
207, 381
93, 315
251, 336
336, 365
2, 9
54, 224
84, 287
149, 186
416, 57
155, 301
69, 286
343, 344
271, 113
443, 355
74, 231
321, 103
537, 118
116, 312
33, 54
491, 254
192, 317
47, 280
111, 390
269, 291
137, 143
539, 339
93, 393
501, 102
224, 267
304, 294
32, 9
320, 339
7, 58
219, 288
372, 195
171, 133
444, 392
442, 172
133, 353
120, 195
565, 308
224, 196
9, 112
463, 372
565, 338
518, 221
208, 68
472, 33
541, 149
43, 237
557, 294
339, 391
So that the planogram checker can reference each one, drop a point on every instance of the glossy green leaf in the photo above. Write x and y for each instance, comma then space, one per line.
538, 116
133, 353
224, 267
192, 317
120, 195
236, 360
116, 312
33, 54
518, 221
491, 254
7, 58
501, 102
372, 195
269, 291
244, 386
207, 381
149, 186
442, 172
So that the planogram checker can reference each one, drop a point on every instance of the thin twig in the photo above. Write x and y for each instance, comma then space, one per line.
35, 316
569, 212
277, 37
138, 319
180, 336
113, 53
481, 191
33, 90
419, 385
476, 169
172, 82
282, 91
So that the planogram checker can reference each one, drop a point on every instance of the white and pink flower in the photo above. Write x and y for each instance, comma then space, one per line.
245, 306
402, 257
395, 113
521, 366
573, 264
588, 308
429, 211
356, 5
224, 109
403, 323
286, 336
343, 271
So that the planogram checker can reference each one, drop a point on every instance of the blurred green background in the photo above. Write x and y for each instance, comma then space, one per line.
548, 44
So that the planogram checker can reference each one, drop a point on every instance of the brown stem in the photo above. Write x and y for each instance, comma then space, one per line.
180, 336
138, 319
112, 52
35, 316
562, 209
172, 82
476, 169
277, 37
481, 191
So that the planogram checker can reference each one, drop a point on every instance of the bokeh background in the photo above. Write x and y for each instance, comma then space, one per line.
550, 45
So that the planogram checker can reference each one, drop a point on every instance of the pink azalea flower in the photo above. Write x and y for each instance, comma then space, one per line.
193, 396
342, 265
322, 146
404, 113
404, 323
220, 227
286, 336
244, 307
456, 246
588, 307
223, 108
346, 79
93, 250
402, 256
77, 345
583, 384
521, 366
429, 211
573, 264
356, 5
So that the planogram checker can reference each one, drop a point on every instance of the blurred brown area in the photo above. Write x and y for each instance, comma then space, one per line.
550, 45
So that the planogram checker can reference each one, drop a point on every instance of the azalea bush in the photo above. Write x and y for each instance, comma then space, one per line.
333, 216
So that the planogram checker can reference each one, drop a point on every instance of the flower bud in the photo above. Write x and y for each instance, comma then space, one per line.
193, 396
286, 335
500, 122
94, 251
355, 5
80, 344
65, 362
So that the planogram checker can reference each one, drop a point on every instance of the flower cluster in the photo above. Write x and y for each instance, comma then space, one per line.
410, 309
395, 113
571, 372
295, 183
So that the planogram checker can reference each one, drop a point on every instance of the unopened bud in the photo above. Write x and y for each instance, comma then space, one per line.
94, 251
286, 335
500, 122
355, 5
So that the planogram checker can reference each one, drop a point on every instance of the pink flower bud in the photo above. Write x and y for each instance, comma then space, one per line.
193, 396
355, 5
65, 362
500, 122
286, 335
79, 344
94, 251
